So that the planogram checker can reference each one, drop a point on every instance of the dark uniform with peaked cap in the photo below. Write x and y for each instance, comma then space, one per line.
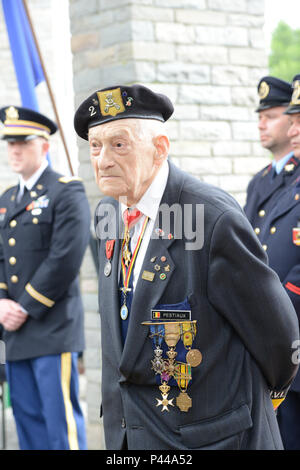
43, 240
263, 189
237, 321
281, 239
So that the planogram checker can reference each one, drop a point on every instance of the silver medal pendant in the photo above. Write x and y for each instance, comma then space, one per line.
124, 312
107, 269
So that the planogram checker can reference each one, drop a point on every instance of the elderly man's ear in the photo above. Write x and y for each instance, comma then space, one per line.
162, 145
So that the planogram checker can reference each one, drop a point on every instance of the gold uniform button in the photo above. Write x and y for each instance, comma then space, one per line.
272, 229
35, 220
257, 230
39, 186
262, 213
12, 260
14, 279
33, 193
265, 247
13, 223
11, 242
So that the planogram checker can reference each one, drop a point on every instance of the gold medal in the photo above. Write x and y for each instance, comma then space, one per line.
194, 357
184, 402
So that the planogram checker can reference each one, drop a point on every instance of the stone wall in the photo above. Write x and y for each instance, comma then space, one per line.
207, 56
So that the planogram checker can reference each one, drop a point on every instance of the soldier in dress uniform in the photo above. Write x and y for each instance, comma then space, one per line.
280, 237
190, 343
44, 231
267, 185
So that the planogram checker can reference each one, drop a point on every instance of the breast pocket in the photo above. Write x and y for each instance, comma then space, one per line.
37, 230
222, 432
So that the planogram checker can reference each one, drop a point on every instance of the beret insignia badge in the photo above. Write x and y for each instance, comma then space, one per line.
111, 102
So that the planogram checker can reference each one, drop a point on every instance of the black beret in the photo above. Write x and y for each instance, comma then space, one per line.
121, 102
294, 106
273, 92
23, 123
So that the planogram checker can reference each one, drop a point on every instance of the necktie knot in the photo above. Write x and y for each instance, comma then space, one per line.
131, 217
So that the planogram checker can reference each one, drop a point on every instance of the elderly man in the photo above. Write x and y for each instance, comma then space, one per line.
269, 183
281, 239
191, 344
44, 231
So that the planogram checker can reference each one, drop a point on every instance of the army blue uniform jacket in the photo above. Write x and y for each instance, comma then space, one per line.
246, 325
43, 240
263, 191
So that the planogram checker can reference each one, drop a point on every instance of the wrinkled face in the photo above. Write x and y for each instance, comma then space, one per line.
123, 158
273, 127
25, 157
294, 133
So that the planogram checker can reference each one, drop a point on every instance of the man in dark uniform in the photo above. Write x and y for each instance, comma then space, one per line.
44, 231
280, 237
191, 344
267, 185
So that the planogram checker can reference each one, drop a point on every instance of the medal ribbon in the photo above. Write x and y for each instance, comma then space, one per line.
127, 273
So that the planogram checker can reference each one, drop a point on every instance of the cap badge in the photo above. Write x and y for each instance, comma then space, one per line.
296, 93
264, 90
11, 113
111, 102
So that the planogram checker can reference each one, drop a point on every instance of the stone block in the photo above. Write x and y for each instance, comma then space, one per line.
203, 54
228, 5
231, 75
186, 16
141, 12
204, 94
224, 113
222, 36
179, 72
206, 130
232, 148
197, 4
248, 56
245, 131
194, 148
175, 33
249, 165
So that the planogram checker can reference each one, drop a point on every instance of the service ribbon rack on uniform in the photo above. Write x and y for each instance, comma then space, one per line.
172, 333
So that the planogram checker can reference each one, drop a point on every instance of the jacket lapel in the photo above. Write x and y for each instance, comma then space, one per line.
110, 284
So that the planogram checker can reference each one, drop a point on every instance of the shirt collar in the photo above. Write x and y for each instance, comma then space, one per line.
282, 162
149, 202
34, 178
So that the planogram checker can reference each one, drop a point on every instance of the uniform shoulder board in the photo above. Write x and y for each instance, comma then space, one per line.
8, 188
68, 179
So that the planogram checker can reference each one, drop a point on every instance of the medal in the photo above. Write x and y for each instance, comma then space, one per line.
184, 402
194, 357
109, 250
158, 363
183, 375
107, 269
164, 388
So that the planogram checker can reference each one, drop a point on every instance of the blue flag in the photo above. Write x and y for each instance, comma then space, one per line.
26, 60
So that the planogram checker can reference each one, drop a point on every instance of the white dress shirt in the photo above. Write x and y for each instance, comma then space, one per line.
31, 181
148, 205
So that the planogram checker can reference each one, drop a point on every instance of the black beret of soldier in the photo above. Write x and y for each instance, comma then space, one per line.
273, 92
121, 102
294, 106
24, 124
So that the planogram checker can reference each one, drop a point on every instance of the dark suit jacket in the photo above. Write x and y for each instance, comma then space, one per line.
40, 256
245, 327
263, 191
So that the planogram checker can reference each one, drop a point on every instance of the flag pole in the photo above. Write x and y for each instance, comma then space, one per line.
49, 87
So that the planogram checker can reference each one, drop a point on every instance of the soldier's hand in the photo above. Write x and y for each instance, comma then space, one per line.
12, 316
